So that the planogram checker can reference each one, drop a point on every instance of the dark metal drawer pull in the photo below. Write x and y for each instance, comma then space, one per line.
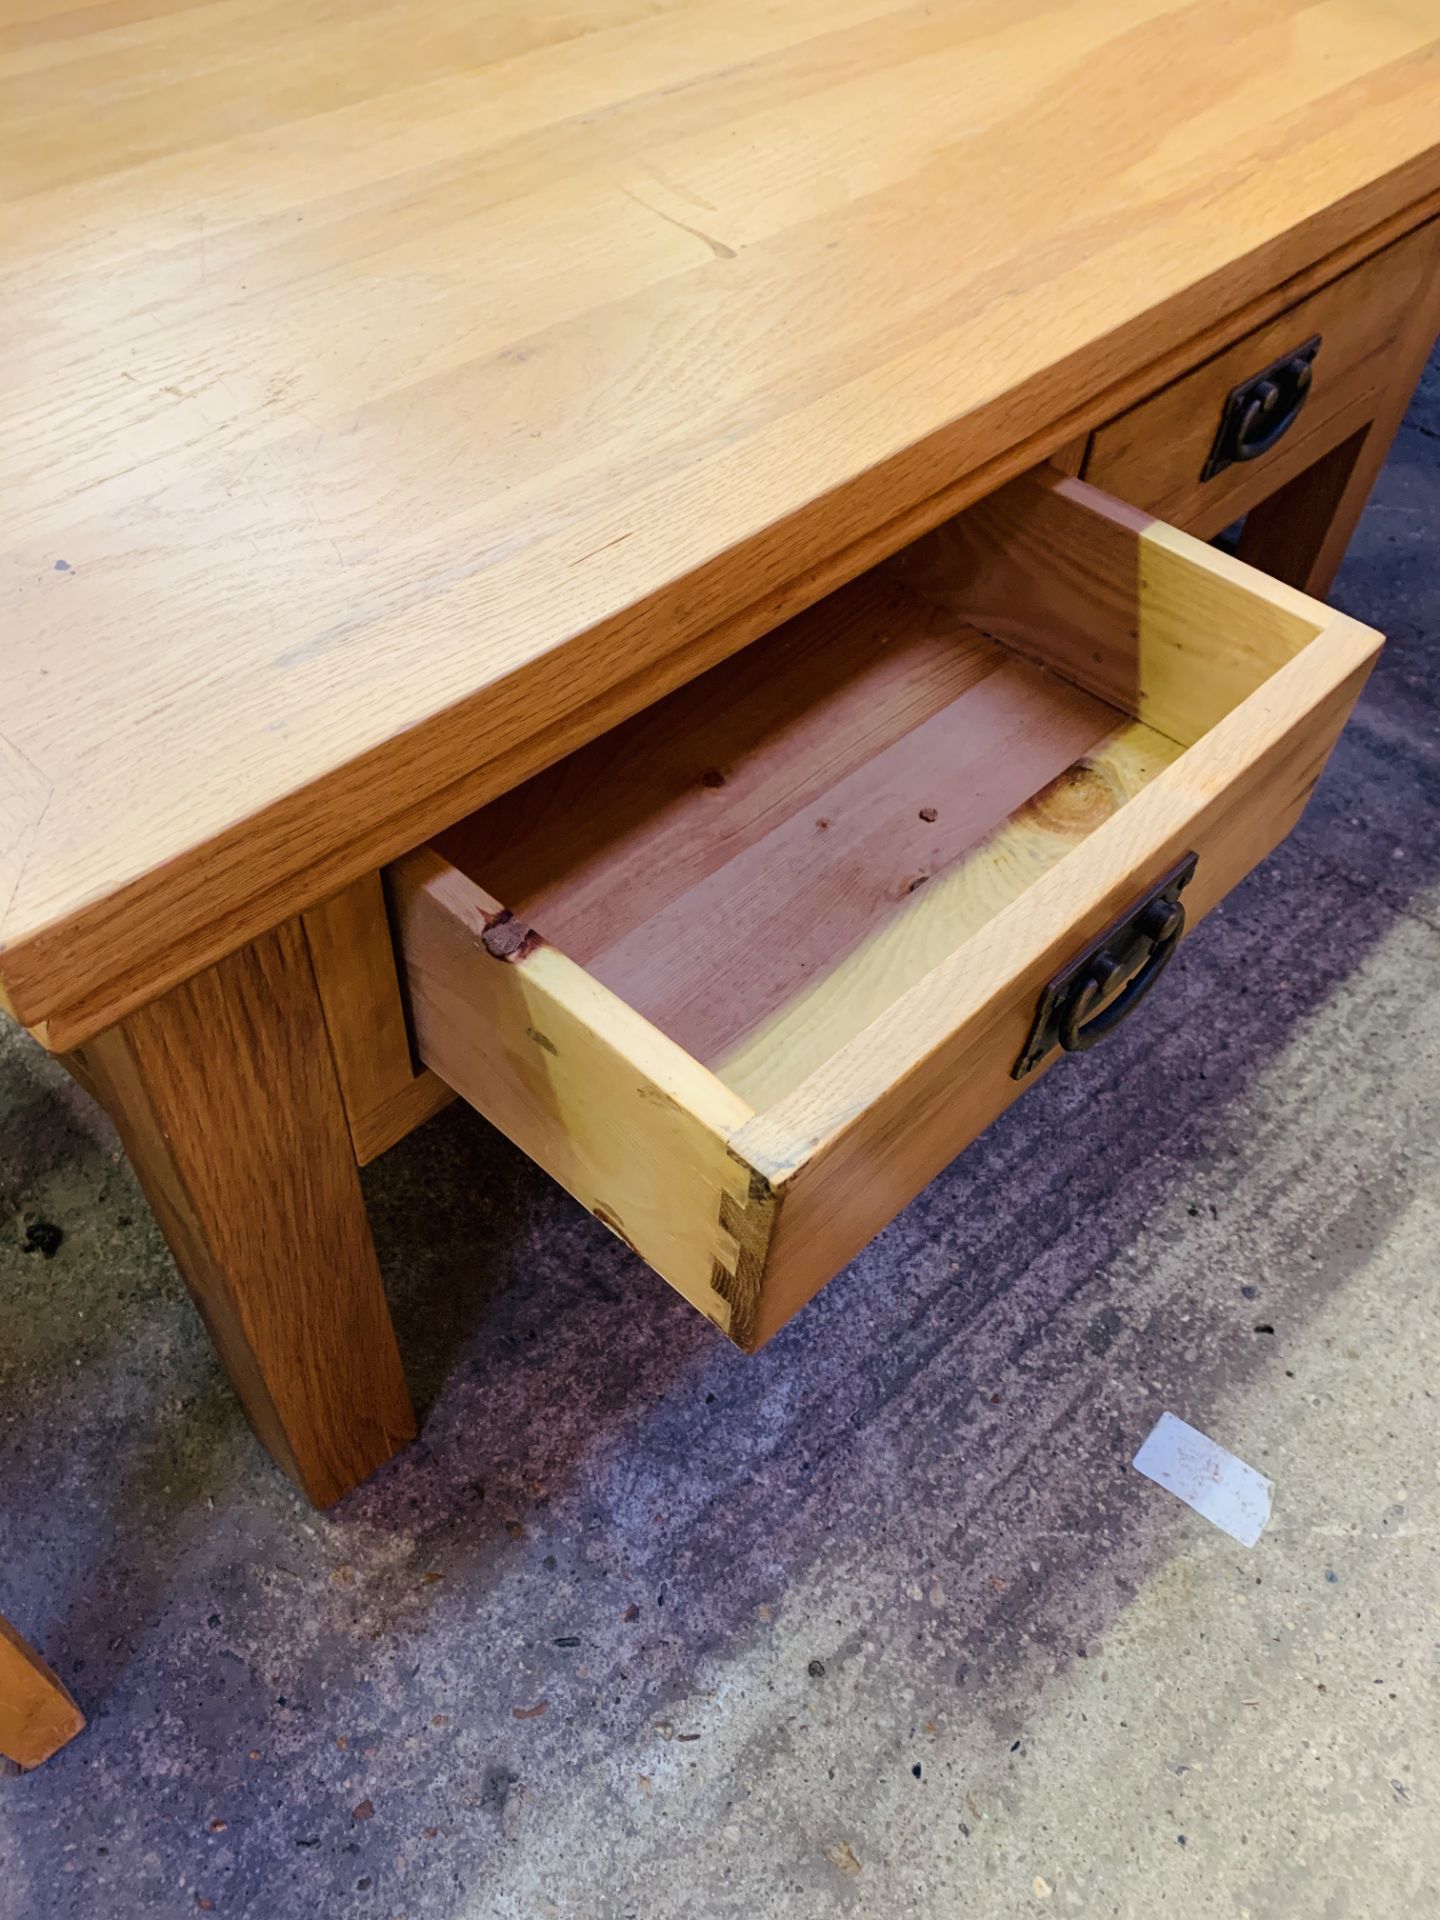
1076, 1010
1262, 409
1164, 923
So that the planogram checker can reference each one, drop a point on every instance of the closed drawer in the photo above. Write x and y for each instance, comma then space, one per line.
744, 974
1300, 386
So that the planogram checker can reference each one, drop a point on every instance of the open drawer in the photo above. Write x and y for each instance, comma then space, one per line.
745, 973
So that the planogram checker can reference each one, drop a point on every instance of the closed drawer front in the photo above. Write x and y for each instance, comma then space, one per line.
745, 973
1207, 448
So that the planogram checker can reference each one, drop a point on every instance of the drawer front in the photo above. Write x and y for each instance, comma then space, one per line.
1205, 449
685, 860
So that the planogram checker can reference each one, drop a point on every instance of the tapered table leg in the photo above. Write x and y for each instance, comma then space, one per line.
225, 1094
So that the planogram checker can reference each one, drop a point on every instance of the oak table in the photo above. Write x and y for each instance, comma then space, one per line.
401, 397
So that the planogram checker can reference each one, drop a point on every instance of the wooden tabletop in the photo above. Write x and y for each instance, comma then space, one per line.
398, 393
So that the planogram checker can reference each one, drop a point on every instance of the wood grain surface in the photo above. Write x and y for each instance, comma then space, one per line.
1154, 455
762, 862
611, 1107
1144, 616
1301, 532
853, 1145
225, 1096
386, 1091
37, 1715
399, 395
774, 1054
1254, 678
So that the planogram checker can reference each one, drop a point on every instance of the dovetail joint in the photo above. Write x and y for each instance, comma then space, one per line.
750, 1223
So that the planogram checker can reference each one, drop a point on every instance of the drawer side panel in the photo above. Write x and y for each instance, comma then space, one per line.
620, 1116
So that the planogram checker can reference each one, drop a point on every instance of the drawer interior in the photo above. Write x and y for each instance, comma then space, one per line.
764, 861
746, 971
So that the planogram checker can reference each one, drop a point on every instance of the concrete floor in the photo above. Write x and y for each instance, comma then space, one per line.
879, 1623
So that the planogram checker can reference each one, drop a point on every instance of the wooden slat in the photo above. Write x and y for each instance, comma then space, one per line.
390, 414
739, 949
37, 1715
817, 1018
616, 833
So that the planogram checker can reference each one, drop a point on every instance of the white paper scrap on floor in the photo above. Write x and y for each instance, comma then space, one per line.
1197, 1470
